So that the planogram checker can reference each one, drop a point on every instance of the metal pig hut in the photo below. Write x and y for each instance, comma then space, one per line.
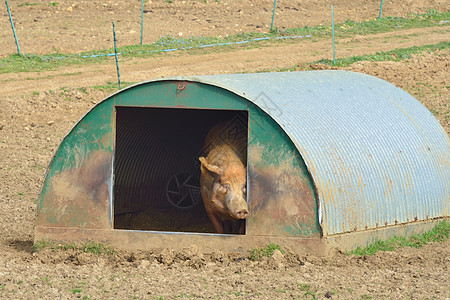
335, 158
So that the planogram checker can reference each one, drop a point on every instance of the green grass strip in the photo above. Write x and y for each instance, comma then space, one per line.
112, 86
87, 247
259, 253
439, 233
350, 28
37, 63
391, 55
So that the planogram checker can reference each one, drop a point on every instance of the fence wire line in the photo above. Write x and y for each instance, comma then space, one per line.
193, 47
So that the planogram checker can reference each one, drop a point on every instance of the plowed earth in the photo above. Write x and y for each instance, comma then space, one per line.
37, 109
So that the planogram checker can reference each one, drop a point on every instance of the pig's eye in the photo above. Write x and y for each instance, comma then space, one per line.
224, 188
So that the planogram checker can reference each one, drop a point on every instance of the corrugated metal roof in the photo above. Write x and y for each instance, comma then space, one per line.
377, 156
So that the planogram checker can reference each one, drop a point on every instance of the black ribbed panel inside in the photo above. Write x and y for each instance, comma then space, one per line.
156, 167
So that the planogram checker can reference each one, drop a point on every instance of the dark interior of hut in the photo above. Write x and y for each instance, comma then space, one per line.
156, 167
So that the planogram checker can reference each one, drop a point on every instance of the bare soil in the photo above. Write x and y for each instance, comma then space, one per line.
37, 109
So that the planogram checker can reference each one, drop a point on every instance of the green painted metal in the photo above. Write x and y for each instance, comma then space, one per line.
92, 133
273, 14
12, 26
77, 145
381, 9
115, 53
271, 153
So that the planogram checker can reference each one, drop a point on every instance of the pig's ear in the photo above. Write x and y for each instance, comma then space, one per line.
213, 169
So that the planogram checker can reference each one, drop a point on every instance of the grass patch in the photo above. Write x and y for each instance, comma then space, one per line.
28, 4
307, 289
96, 248
304, 287
71, 74
82, 90
76, 290
111, 86
31, 62
439, 233
259, 253
40, 245
350, 28
392, 55
430, 18
16, 63
87, 247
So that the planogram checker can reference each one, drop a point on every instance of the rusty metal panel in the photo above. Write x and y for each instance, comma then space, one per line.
377, 156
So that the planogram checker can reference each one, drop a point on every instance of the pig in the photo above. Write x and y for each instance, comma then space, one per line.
223, 180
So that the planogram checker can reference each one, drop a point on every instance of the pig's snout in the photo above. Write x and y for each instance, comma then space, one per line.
238, 207
242, 214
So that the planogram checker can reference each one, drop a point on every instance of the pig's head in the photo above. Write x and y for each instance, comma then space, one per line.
228, 191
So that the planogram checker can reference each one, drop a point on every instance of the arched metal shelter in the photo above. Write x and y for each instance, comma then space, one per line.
329, 153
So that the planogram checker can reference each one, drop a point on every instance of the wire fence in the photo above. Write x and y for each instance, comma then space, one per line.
178, 48
169, 47
196, 47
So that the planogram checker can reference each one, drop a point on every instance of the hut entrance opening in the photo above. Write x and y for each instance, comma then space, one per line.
156, 166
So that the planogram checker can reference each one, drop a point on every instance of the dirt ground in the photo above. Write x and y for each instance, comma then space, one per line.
37, 109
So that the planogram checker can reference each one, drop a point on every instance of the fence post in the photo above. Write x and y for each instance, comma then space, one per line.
273, 14
12, 26
381, 9
142, 19
332, 30
115, 52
